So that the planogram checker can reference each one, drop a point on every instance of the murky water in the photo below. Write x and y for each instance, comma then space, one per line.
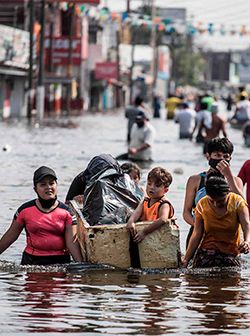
59, 300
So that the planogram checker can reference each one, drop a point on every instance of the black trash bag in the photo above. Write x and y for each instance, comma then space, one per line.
110, 198
96, 167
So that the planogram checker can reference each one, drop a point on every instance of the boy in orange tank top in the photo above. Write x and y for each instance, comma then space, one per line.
155, 207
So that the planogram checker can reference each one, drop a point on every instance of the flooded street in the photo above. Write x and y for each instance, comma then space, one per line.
54, 301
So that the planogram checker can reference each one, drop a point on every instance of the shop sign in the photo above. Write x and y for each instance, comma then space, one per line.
14, 47
60, 50
106, 70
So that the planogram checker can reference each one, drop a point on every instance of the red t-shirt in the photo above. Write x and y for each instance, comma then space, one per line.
244, 174
44, 231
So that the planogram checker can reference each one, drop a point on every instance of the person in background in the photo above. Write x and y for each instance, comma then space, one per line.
47, 223
142, 138
219, 216
242, 112
244, 175
133, 170
219, 154
246, 133
155, 207
208, 99
157, 106
171, 104
218, 126
185, 116
203, 119
131, 113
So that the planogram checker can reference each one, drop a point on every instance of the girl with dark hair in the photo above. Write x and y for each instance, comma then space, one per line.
219, 216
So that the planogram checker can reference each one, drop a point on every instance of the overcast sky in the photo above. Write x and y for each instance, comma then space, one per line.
227, 12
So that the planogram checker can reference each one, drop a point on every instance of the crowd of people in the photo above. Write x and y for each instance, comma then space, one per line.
214, 204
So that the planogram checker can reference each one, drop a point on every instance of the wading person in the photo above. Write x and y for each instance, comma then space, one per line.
219, 216
47, 223
244, 175
142, 138
155, 207
219, 153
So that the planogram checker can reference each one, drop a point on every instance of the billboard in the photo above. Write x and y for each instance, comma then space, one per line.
14, 47
106, 70
60, 50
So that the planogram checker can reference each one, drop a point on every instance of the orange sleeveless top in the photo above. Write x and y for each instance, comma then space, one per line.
151, 213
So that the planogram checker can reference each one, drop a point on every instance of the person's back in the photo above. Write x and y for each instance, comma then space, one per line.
217, 125
185, 117
171, 104
242, 113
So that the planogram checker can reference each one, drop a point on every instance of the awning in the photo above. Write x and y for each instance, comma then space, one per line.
13, 72
57, 79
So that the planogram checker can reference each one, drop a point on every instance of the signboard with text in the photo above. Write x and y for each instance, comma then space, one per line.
14, 47
60, 50
106, 70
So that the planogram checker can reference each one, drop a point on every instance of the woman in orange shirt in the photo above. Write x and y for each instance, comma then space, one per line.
218, 218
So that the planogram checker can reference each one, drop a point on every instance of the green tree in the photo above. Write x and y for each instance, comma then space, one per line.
188, 64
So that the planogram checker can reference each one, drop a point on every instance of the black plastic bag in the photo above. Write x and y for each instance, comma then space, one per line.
110, 198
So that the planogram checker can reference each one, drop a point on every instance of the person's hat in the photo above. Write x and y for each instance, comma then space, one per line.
214, 108
142, 115
41, 172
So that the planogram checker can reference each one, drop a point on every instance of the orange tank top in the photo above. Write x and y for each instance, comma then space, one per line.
151, 213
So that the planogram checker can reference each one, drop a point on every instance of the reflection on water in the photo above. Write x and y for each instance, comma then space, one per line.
115, 303
52, 300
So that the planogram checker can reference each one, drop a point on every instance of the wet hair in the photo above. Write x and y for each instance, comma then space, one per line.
220, 145
160, 176
216, 186
129, 167
138, 100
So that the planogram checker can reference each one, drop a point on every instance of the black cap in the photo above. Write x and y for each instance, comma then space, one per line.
41, 172
142, 115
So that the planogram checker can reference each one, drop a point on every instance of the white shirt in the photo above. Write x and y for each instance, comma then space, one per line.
185, 118
243, 110
140, 136
205, 117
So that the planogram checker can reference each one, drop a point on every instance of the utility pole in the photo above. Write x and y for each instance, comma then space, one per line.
40, 82
128, 6
132, 67
118, 100
70, 66
30, 75
154, 48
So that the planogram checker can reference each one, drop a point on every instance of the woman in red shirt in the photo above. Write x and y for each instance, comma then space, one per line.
47, 223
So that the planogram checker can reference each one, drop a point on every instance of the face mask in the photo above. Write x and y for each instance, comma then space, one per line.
140, 123
46, 204
213, 162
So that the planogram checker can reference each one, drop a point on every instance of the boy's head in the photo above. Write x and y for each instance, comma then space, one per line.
160, 176
218, 149
159, 179
220, 145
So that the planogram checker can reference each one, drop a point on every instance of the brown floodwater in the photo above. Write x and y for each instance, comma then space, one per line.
57, 300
